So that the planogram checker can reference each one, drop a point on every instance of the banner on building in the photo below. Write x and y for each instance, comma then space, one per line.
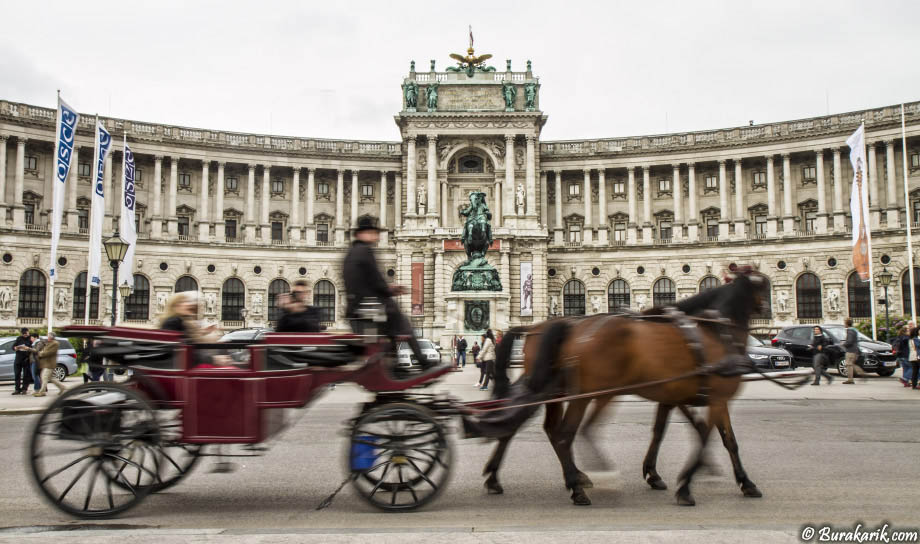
103, 142
457, 245
859, 204
526, 288
65, 132
127, 225
418, 288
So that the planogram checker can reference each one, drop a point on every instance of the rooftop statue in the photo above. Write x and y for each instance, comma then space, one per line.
410, 90
470, 63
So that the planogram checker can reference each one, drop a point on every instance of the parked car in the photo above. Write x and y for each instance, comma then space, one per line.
245, 335
406, 360
767, 357
66, 361
876, 356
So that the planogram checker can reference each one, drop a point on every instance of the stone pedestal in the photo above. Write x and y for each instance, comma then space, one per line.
204, 232
840, 221
739, 229
893, 217
647, 233
821, 223
458, 304
772, 226
875, 218
311, 235
172, 227
558, 237
602, 235
476, 275
340, 236
73, 221
723, 229
294, 234
789, 225
632, 235
693, 232
249, 233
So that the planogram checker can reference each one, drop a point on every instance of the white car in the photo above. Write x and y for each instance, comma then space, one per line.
66, 359
406, 360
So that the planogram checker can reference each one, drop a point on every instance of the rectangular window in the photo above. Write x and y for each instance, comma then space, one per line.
916, 208
367, 190
277, 231
619, 232
185, 181
322, 188
322, 232
31, 163
230, 229
232, 184
809, 173
759, 179
712, 183
30, 214
138, 175
183, 226
575, 234
712, 227
664, 230
137, 224
915, 160
277, 186
619, 187
574, 189
83, 219
810, 217
760, 224
664, 186
84, 170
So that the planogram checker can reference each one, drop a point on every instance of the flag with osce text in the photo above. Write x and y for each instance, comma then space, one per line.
97, 212
127, 226
65, 132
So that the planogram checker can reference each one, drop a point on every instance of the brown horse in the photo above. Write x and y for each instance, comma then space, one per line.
674, 366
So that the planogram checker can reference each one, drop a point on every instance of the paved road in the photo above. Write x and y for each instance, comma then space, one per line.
844, 458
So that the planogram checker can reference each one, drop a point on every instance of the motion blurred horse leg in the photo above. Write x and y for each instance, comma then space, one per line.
491, 468
684, 498
700, 424
596, 459
724, 425
562, 436
649, 465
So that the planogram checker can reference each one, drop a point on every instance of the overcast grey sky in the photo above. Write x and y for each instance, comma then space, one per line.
333, 69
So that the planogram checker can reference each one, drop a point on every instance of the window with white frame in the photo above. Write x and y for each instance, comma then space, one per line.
84, 170
809, 174
322, 232
277, 186
185, 181
619, 187
232, 184
367, 190
759, 180
322, 188
574, 190
711, 184
664, 185
31, 163
808, 212
914, 161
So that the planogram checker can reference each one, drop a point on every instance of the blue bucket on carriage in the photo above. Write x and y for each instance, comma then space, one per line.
363, 455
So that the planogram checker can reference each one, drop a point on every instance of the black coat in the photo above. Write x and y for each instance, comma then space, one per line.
820, 340
362, 277
305, 321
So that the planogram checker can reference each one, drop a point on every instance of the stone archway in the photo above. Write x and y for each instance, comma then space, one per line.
469, 167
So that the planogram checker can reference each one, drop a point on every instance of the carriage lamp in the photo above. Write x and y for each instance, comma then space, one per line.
115, 250
884, 278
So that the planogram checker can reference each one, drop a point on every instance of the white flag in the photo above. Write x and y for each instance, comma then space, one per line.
97, 212
127, 225
65, 132
859, 203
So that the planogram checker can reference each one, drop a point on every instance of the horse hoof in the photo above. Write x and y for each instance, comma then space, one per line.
657, 483
685, 499
580, 499
751, 491
494, 488
583, 481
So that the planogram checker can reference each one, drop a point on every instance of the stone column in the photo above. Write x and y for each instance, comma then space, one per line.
110, 197
294, 227
250, 205
892, 213
677, 228
646, 205
353, 216
156, 220
739, 200
397, 201
204, 225
218, 215
558, 235
382, 220
587, 231
311, 196
874, 208
439, 290
266, 195
772, 220
432, 209
445, 200
788, 217
632, 208
340, 207
839, 213
602, 226
72, 182
410, 176
530, 176
172, 223
19, 213
821, 219
3, 140
508, 193
693, 229
543, 202
724, 212
496, 207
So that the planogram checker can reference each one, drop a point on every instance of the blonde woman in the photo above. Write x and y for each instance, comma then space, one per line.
182, 315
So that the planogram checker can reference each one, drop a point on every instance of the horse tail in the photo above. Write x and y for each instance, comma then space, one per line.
542, 371
503, 361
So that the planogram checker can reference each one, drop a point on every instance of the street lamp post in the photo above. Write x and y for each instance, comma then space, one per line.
885, 279
243, 313
125, 291
115, 250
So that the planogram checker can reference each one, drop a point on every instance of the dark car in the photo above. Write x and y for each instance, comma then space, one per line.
766, 357
875, 357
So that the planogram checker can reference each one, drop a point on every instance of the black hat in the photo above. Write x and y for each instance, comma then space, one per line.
365, 223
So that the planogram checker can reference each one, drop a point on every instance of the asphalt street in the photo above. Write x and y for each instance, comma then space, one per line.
842, 459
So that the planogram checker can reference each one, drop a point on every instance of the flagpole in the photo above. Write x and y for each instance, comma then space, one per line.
910, 247
869, 244
57, 136
89, 288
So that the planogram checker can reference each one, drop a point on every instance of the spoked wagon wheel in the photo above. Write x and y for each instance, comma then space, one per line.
81, 453
400, 457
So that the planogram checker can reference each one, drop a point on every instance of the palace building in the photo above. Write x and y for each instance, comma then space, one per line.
596, 224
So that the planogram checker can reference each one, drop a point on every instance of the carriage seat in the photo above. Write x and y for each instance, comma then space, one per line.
326, 355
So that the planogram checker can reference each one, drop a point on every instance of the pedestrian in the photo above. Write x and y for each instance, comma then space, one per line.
475, 351
93, 362
900, 345
487, 354
851, 347
47, 360
461, 352
22, 366
819, 343
914, 356
37, 345
296, 314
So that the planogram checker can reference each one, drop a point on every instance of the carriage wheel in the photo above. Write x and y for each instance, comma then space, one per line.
400, 457
81, 449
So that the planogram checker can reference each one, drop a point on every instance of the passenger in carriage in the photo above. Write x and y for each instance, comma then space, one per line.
364, 280
297, 315
182, 316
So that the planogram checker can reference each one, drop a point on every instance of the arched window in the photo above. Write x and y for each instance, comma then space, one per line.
137, 305
765, 311
324, 300
708, 283
32, 294
573, 298
232, 299
808, 296
276, 288
186, 283
905, 289
663, 292
617, 296
859, 298
471, 164
79, 299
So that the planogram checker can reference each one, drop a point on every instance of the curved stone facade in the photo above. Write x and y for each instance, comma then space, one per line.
215, 205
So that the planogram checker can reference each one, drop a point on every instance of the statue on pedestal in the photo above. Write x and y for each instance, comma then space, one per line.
433, 97
421, 200
519, 199
410, 91
476, 274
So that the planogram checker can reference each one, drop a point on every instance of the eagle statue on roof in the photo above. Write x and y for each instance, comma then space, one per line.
470, 63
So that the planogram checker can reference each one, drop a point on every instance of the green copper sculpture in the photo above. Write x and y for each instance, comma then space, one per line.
410, 91
470, 63
433, 96
509, 92
476, 274
530, 96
